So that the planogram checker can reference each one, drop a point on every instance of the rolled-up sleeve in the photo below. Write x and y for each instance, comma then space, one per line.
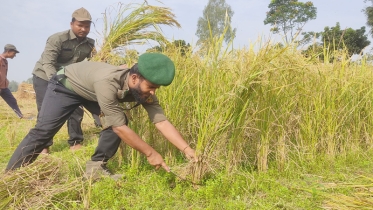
50, 54
107, 99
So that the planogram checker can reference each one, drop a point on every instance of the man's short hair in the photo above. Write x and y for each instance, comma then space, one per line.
135, 70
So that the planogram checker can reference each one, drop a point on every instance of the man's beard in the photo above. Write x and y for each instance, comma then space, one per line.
136, 93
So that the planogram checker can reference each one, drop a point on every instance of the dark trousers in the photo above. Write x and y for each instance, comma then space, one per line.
58, 105
74, 123
11, 101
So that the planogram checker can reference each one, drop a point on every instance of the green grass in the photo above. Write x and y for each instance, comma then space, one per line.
273, 130
300, 185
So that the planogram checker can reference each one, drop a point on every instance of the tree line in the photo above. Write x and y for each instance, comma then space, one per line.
287, 18
13, 85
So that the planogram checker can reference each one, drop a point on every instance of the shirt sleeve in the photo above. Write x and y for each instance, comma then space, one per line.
49, 58
2, 69
93, 52
107, 99
155, 111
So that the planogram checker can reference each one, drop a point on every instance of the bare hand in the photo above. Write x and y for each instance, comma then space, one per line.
155, 159
190, 154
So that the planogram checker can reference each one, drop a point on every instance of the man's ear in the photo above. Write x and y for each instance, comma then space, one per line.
134, 77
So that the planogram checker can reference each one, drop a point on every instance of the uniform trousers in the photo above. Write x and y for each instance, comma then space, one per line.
58, 105
74, 123
11, 101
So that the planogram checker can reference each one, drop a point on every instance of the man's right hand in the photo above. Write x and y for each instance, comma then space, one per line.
155, 159
190, 154
134, 141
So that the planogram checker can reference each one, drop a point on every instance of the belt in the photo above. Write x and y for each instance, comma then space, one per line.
63, 79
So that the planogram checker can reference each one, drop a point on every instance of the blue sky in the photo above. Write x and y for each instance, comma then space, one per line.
28, 23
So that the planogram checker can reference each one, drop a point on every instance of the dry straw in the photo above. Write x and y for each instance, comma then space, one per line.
361, 198
36, 185
46, 182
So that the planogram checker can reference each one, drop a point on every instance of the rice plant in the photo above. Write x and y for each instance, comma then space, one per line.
131, 24
264, 105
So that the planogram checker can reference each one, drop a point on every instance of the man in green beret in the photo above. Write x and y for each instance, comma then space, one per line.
100, 88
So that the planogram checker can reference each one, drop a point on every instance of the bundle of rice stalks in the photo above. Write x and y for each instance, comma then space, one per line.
184, 173
25, 91
362, 198
123, 27
356, 201
192, 172
37, 185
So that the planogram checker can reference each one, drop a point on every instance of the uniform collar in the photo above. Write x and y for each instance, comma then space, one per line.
1, 56
73, 36
124, 85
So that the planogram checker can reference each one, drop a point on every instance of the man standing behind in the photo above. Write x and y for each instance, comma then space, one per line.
10, 51
62, 49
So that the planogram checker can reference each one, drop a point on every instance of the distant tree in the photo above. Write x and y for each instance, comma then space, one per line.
368, 56
369, 14
182, 46
155, 49
336, 39
353, 40
13, 86
216, 19
309, 37
178, 44
28, 81
289, 17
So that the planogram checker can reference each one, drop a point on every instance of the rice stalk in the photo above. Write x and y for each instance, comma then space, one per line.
361, 198
40, 184
132, 24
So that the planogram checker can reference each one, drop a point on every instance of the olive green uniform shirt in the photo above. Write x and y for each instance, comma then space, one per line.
62, 49
108, 85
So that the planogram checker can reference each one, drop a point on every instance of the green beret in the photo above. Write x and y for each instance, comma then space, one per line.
156, 68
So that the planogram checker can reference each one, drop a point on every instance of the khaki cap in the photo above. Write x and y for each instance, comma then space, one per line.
11, 47
82, 15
